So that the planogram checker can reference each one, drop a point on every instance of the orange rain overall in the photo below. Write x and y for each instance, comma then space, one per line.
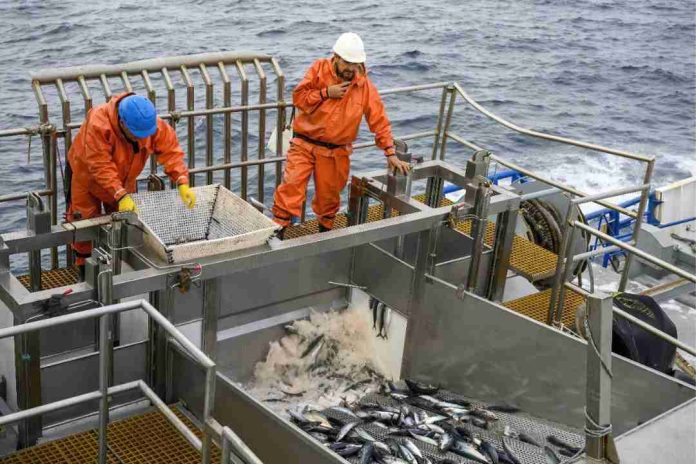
331, 125
105, 164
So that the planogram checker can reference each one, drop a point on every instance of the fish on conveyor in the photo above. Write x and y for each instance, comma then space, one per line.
345, 430
469, 451
374, 303
345, 449
384, 322
503, 408
554, 440
510, 454
550, 456
490, 451
527, 439
421, 388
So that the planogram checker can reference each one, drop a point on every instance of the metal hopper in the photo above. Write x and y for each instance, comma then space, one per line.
219, 223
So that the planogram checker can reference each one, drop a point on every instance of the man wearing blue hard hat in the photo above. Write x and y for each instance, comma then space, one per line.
109, 153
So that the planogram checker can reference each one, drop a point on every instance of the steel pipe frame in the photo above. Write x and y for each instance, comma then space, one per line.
105, 313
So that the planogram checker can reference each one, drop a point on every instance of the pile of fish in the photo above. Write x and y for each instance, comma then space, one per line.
411, 420
324, 360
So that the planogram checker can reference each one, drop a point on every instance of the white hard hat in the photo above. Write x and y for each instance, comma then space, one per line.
349, 46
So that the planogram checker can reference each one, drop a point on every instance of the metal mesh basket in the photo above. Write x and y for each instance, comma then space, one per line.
219, 223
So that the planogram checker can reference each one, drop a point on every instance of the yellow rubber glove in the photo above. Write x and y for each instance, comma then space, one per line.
187, 195
126, 203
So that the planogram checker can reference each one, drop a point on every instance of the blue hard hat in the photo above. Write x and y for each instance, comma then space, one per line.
139, 115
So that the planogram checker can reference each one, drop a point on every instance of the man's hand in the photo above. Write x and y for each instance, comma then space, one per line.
187, 195
126, 203
396, 164
338, 90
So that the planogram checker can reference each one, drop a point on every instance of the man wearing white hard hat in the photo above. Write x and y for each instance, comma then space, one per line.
330, 102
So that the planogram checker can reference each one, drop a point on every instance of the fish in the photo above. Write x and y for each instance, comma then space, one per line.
345, 449
384, 322
313, 346
373, 306
421, 388
527, 439
322, 437
484, 414
345, 430
503, 408
478, 422
550, 456
413, 448
468, 451
513, 458
446, 441
422, 438
407, 455
367, 454
342, 410
357, 384
490, 451
393, 460
554, 440
362, 435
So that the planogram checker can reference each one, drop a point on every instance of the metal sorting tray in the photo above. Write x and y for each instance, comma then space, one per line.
220, 222
535, 427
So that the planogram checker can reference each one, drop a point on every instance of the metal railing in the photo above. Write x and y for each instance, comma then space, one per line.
105, 391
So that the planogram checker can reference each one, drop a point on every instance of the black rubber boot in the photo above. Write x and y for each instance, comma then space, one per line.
81, 272
323, 229
281, 233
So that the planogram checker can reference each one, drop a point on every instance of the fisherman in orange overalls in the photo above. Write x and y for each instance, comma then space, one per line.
108, 154
331, 101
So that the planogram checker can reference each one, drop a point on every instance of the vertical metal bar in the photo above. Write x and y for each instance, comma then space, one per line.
598, 388
191, 123
504, 236
67, 143
280, 120
158, 339
171, 95
208, 403
126, 82
438, 124
105, 293
225, 459
558, 277
28, 377
49, 160
227, 128
639, 221
568, 265
483, 197
450, 111
152, 95
86, 95
211, 311
262, 127
245, 125
208, 121
106, 88
104, 367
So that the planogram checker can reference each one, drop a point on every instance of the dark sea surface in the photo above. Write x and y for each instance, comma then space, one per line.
617, 73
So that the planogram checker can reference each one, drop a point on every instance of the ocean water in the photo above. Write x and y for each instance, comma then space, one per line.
619, 73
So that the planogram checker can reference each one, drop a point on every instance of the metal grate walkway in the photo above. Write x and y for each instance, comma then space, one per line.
54, 278
527, 259
144, 439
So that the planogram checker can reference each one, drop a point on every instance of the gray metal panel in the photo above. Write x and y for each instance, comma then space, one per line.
385, 277
81, 375
271, 438
479, 348
256, 288
457, 272
67, 337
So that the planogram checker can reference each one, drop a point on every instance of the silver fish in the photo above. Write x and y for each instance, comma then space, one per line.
446, 442
510, 454
413, 448
345, 430
468, 451
550, 456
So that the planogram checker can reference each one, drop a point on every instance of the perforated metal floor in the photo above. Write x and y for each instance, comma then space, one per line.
143, 439
54, 278
536, 306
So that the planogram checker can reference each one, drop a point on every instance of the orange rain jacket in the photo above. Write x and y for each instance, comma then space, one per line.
329, 120
334, 120
105, 164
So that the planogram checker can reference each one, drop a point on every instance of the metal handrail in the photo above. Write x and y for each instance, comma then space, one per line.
105, 348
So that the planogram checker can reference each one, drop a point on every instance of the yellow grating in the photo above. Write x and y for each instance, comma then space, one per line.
54, 278
147, 438
527, 259
536, 306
